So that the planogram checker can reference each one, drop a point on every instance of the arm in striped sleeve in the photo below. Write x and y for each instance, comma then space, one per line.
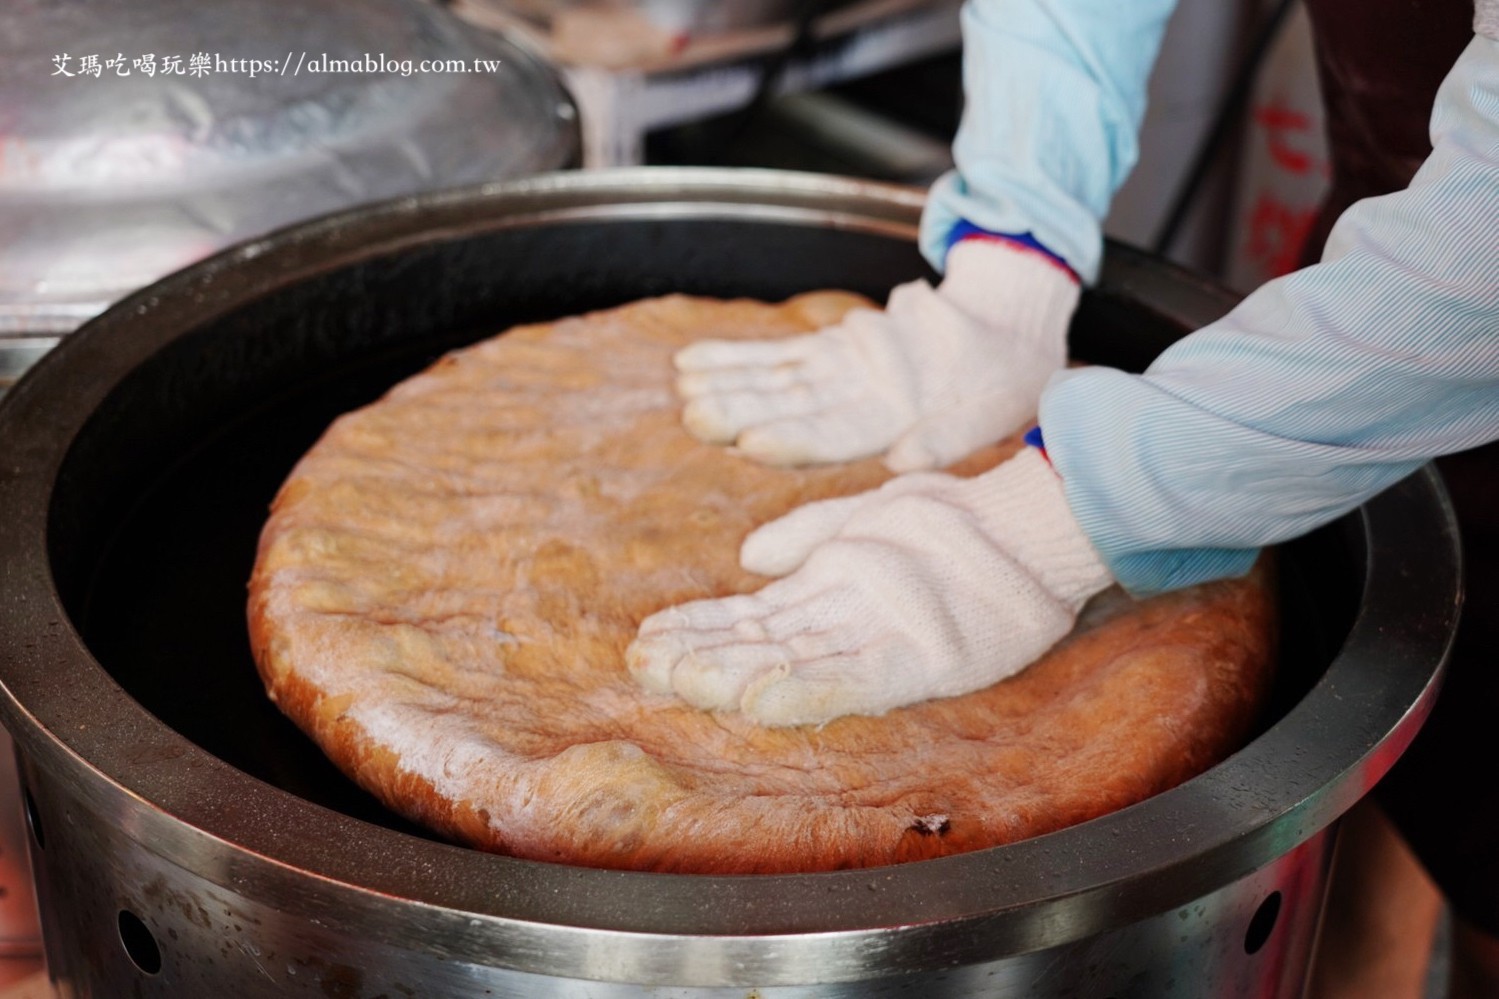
1321, 389
1054, 92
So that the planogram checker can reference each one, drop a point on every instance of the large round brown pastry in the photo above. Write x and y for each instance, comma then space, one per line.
449, 579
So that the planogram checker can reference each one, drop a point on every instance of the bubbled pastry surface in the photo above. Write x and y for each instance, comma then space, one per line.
449, 578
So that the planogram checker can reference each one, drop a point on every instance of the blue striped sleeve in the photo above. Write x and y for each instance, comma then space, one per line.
1321, 389
1054, 91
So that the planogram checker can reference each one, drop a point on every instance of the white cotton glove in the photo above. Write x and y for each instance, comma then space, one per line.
938, 374
929, 586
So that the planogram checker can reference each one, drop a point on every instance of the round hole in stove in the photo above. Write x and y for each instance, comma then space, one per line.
33, 820
1262, 923
139, 943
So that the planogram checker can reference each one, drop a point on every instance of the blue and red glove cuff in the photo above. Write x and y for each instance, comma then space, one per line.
1021, 240
1034, 439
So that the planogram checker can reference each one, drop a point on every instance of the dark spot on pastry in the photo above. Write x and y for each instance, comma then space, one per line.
931, 825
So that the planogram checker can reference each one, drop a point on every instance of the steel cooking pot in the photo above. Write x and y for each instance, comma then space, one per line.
187, 841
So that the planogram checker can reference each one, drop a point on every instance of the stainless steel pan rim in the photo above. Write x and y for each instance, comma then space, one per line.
76, 725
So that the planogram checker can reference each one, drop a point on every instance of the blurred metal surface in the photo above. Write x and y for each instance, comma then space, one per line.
18, 352
166, 871
113, 176
689, 16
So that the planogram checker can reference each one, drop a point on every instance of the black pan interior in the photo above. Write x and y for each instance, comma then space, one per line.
158, 507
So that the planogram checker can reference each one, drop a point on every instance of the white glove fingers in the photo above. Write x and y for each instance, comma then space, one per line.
709, 670
715, 678
905, 297
953, 433
653, 656
927, 446
920, 309
716, 381
815, 691
707, 652
706, 615
780, 546
708, 355
722, 418
776, 548
841, 434
995, 329
669, 637
651, 659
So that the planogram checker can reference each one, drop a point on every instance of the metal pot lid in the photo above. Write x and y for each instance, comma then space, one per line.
76, 724
165, 144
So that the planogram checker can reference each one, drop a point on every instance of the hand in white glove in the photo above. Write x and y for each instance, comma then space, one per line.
938, 374
929, 586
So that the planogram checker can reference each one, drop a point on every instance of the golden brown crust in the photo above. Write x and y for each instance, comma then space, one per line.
449, 578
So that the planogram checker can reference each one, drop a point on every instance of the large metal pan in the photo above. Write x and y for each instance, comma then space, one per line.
189, 842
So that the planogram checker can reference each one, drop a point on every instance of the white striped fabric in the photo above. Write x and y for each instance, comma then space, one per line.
1323, 388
